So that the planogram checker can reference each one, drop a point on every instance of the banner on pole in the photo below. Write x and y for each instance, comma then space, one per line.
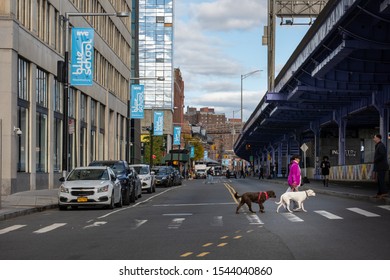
82, 57
176, 135
158, 120
137, 102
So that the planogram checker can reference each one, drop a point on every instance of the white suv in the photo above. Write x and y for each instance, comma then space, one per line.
146, 176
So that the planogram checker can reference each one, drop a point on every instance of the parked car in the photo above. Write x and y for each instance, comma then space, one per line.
164, 176
87, 186
146, 176
125, 176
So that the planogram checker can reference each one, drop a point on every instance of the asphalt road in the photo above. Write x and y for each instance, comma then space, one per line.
198, 221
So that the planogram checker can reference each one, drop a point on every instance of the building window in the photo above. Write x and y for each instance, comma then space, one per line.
41, 142
57, 144
23, 115
41, 88
23, 76
22, 140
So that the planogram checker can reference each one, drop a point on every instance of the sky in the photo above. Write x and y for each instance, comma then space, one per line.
217, 41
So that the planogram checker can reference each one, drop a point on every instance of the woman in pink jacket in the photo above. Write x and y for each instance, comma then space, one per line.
294, 176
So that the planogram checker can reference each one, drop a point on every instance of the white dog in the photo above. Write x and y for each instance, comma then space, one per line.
299, 197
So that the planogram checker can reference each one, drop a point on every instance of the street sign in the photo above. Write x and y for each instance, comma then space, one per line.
304, 147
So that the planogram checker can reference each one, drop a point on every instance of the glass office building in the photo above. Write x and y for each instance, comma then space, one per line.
156, 52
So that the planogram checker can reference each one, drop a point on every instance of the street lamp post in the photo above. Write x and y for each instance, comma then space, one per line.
244, 76
65, 126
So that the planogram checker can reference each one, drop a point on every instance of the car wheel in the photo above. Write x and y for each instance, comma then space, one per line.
132, 196
150, 190
126, 199
112, 202
62, 207
120, 203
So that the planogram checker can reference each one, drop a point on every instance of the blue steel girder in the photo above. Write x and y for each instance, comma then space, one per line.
341, 67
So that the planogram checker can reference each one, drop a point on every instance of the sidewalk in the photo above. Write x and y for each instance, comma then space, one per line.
28, 202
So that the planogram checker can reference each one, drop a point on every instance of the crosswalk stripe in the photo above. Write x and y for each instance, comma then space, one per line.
254, 219
11, 228
176, 223
292, 218
328, 215
387, 207
363, 212
49, 228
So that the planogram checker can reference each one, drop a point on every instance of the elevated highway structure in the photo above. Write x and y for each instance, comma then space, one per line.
333, 94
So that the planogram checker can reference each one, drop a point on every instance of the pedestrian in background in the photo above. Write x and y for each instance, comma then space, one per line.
294, 176
381, 166
325, 166
210, 179
261, 173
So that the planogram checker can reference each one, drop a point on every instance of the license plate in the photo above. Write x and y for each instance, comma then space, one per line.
82, 199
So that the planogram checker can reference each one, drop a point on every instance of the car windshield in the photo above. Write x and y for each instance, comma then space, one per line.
117, 167
142, 170
88, 174
162, 171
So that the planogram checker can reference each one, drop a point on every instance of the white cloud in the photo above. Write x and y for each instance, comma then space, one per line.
225, 15
211, 56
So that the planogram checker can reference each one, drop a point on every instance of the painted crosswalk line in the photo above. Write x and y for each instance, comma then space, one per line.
49, 228
328, 215
386, 207
254, 219
176, 223
363, 212
292, 217
11, 228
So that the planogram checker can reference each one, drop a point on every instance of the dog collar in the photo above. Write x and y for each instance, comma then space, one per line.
266, 196
306, 194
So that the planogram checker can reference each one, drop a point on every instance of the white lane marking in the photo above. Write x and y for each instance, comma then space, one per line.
136, 204
50, 228
95, 224
176, 223
386, 207
363, 212
292, 218
178, 214
138, 223
254, 219
11, 228
192, 204
217, 221
328, 215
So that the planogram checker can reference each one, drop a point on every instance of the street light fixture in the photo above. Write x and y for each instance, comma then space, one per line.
244, 76
65, 126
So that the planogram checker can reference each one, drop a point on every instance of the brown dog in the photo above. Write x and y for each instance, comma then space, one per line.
256, 197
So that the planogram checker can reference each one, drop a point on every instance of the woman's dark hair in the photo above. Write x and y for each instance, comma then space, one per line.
295, 157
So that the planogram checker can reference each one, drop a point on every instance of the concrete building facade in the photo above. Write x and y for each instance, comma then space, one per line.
31, 114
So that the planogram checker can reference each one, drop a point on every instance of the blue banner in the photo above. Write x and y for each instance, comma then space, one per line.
192, 152
158, 121
137, 102
81, 70
176, 135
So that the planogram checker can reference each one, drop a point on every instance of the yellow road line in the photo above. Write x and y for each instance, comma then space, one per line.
221, 244
186, 254
203, 254
224, 237
237, 237
207, 244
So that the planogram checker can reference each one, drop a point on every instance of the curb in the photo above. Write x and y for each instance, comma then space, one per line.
26, 211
